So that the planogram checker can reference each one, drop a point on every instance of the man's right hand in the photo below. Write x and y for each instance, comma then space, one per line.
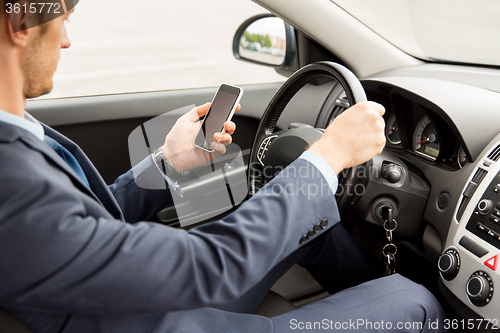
354, 137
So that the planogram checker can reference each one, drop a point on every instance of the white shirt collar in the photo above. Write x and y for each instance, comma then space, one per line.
28, 123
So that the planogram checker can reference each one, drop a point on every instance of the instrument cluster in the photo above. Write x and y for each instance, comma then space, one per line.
420, 132
410, 127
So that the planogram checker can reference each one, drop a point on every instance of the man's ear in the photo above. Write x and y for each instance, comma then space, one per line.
21, 20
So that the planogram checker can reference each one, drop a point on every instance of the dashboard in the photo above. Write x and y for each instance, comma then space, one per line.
443, 136
412, 128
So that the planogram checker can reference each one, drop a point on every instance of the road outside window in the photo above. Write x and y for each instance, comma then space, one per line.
121, 46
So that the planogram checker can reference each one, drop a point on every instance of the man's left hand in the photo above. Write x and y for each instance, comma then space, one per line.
179, 148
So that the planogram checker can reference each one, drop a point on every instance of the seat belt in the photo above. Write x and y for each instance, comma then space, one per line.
10, 325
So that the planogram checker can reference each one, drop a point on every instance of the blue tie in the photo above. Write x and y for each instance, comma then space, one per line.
68, 158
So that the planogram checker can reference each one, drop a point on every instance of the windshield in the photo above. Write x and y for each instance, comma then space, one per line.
450, 30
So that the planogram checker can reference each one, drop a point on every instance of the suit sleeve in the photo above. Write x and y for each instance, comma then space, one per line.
56, 257
140, 203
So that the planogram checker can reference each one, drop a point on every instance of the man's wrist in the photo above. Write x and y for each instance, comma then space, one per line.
333, 163
168, 156
165, 166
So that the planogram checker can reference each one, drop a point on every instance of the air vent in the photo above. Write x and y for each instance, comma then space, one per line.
479, 176
337, 110
495, 154
470, 190
461, 209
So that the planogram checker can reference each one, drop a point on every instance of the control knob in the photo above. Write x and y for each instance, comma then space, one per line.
392, 173
449, 264
484, 206
478, 288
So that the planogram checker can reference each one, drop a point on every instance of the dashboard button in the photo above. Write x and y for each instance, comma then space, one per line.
466, 242
492, 262
494, 219
478, 250
473, 247
493, 234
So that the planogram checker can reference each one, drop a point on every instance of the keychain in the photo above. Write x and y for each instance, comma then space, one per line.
390, 249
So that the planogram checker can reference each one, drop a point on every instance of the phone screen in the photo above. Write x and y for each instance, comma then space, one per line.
219, 112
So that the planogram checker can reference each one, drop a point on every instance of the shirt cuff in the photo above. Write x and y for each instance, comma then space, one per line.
172, 184
323, 166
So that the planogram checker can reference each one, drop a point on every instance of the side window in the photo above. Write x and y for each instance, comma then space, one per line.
121, 46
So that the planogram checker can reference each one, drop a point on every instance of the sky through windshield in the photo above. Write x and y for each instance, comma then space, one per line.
453, 30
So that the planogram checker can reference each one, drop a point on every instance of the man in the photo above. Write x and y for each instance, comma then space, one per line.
70, 263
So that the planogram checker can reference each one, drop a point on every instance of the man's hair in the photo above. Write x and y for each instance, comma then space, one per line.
41, 17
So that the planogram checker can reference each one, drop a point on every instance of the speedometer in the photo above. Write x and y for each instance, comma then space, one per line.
426, 139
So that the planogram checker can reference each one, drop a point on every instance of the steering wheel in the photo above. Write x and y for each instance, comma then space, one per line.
271, 152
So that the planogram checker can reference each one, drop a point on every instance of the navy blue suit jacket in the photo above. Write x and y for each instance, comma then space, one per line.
76, 260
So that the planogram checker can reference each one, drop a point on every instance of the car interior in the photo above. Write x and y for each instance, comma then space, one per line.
439, 173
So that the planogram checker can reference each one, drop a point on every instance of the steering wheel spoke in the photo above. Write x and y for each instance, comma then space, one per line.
264, 147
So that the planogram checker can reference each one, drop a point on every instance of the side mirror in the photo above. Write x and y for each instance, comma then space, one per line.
267, 40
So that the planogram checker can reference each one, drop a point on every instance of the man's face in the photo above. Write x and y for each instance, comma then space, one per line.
42, 55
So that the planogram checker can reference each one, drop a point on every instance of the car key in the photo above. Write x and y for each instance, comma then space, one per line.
390, 249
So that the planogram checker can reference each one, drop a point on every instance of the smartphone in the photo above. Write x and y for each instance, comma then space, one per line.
223, 106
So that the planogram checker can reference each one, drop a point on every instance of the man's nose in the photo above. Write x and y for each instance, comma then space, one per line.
65, 42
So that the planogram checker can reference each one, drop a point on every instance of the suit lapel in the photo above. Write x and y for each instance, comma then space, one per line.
100, 191
36, 144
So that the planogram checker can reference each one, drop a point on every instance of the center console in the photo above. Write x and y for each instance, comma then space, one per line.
469, 264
